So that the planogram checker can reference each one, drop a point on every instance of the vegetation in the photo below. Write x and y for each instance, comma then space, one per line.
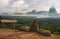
51, 24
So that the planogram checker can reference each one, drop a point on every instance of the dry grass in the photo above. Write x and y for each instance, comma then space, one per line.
14, 34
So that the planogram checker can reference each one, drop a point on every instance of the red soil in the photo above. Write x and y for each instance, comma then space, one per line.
14, 34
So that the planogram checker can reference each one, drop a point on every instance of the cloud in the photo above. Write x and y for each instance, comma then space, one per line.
3, 3
17, 5
37, 3
12, 1
12, 5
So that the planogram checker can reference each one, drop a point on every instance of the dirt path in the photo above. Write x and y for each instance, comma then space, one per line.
14, 34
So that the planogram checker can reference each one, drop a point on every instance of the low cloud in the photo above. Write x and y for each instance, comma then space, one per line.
17, 5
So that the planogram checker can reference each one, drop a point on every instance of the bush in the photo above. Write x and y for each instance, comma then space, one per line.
57, 33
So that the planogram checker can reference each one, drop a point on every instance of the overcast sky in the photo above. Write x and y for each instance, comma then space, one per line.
26, 5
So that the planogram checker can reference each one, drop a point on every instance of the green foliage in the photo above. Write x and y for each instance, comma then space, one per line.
53, 24
57, 33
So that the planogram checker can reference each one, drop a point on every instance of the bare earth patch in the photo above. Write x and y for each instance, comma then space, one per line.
15, 34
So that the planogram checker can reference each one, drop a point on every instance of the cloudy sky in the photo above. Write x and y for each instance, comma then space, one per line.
27, 5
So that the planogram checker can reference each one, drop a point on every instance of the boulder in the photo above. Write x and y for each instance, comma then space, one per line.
24, 28
44, 32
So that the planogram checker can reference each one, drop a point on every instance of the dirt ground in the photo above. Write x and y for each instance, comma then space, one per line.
15, 34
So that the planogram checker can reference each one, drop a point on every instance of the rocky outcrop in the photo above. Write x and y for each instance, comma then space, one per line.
34, 26
24, 28
44, 32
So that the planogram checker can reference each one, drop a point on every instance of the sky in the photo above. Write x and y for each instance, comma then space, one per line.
11, 6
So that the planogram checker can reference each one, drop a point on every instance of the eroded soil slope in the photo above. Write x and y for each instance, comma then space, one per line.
14, 34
